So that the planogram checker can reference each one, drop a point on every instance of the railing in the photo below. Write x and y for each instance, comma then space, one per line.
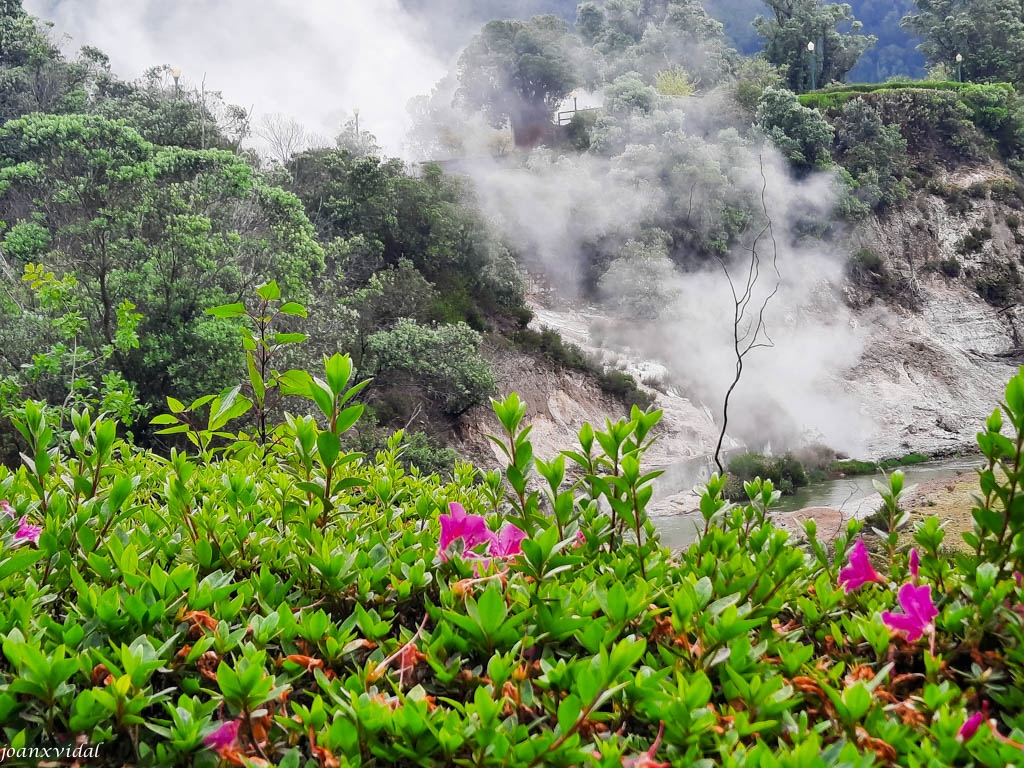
565, 117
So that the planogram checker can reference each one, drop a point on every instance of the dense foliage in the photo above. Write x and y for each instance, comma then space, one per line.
275, 600
831, 27
987, 34
127, 209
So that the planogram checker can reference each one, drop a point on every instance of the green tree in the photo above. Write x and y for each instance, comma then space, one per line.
989, 34
656, 36
373, 214
875, 154
519, 71
795, 23
800, 133
34, 75
171, 230
639, 283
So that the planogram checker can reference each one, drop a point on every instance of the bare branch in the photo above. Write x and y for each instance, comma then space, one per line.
755, 333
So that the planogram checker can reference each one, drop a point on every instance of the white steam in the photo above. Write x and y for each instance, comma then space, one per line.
314, 60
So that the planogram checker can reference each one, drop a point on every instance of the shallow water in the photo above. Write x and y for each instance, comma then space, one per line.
855, 495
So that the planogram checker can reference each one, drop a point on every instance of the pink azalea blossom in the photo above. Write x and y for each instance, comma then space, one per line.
915, 565
7, 509
27, 532
971, 725
508, 542
472, 529
223, 737
919, 612
859, 571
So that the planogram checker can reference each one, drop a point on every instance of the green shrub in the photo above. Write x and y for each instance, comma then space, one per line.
286, 603
424, 453
998, 283
549, 344
950, 267
905, 461
854, 467
786, 472
975, 239
443, 361
624, 387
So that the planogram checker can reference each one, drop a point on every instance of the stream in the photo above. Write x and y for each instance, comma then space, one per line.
855, 495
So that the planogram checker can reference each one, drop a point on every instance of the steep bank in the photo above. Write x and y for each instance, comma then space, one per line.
943, 314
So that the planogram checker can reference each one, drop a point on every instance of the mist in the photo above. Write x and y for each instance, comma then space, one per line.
315, 61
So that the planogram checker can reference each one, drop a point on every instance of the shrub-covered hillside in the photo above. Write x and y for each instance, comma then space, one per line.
129, 208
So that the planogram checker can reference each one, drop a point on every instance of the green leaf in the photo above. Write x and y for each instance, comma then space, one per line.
289, 338
569, 711
347, 418
292, 308
269, 292
255, 379
329, 446
21, 560
227, 310
338, 369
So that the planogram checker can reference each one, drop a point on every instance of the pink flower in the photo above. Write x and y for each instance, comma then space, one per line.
919, 612
971, 725
507, 542
915, 565
27, 532
646, 760
580, 539
223, 737
859, 571
472, 529
7, 509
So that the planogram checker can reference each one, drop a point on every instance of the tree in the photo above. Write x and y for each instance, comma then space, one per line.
795, 23
379, 215
519, 71
656, 36
875, 154
443, 360
800, 133
171, 230
989, 34
639, 282
34, 75
284, 137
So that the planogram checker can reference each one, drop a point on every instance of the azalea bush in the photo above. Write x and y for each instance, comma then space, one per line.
267, 597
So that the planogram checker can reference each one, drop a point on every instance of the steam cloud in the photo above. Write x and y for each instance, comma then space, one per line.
315, 60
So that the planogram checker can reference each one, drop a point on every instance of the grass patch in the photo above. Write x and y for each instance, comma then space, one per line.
850, 467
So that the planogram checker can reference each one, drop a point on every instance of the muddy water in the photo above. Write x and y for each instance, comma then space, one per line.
854, 495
